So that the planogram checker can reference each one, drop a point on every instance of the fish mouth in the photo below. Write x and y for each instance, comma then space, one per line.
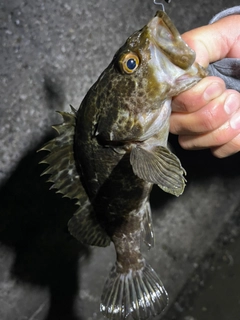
172, 79
167, 38
172, 60
192, 76
186, 82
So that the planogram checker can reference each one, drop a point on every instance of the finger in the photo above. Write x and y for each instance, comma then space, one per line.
214, 42
210, 117
227, 132
195, 98
227, 149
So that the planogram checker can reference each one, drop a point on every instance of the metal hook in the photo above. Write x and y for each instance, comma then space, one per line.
160, 4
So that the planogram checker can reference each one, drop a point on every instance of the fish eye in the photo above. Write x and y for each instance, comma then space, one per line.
129, 62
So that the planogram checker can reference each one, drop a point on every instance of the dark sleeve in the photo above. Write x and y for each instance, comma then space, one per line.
228, 68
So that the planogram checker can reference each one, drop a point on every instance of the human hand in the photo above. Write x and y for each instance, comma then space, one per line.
208, 115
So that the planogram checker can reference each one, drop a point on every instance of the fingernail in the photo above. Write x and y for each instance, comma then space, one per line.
232, 103
235, 121
212, 91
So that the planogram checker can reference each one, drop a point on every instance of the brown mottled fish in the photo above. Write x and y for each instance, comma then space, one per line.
112, 150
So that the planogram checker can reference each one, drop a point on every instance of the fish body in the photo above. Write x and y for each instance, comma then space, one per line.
112, 150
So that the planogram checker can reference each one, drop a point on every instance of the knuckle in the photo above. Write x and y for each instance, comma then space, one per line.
227, 149
179, 105
220, 137
209, 119
223, 135
188, 142
235, 144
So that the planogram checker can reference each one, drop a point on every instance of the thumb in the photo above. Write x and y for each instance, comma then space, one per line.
215, 41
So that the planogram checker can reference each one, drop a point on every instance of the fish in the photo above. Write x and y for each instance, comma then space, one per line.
111, 151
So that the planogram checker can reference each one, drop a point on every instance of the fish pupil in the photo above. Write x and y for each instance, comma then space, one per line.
131, 64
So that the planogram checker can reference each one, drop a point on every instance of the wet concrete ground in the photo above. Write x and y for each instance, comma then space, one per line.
51, 54
212, 291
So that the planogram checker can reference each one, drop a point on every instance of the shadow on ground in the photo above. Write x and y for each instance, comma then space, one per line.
212, 291
33, 222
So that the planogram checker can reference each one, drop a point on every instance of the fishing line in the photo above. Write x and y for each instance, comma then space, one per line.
161, 4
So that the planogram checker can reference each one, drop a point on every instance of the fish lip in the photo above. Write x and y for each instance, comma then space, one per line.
186, 77
192, 76
168, 40
186, 82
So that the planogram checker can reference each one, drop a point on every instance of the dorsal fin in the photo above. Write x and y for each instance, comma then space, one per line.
63, 173
62, 168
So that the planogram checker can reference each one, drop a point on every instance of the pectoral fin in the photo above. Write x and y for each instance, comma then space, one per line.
159, 166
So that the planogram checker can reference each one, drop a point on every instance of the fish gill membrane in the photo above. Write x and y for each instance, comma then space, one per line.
107, 158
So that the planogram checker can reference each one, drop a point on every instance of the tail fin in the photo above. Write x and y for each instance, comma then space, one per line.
138, 295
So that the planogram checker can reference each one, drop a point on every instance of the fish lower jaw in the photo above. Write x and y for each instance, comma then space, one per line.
185, 82
190, 78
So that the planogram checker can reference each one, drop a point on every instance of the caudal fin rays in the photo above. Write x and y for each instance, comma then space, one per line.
138, 295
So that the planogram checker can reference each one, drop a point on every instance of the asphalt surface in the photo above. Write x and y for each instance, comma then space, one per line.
51, 53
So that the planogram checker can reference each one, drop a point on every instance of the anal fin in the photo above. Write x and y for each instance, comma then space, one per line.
85, 227
159, 166
147, 226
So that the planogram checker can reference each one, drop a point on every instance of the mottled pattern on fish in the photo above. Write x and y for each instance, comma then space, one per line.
112, 150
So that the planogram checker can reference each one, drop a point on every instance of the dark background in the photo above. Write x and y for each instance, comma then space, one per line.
51, 53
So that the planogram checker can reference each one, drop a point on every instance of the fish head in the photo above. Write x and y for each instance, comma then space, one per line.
132, 97
156, 63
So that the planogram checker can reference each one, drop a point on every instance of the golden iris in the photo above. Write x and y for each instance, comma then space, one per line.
129, 62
